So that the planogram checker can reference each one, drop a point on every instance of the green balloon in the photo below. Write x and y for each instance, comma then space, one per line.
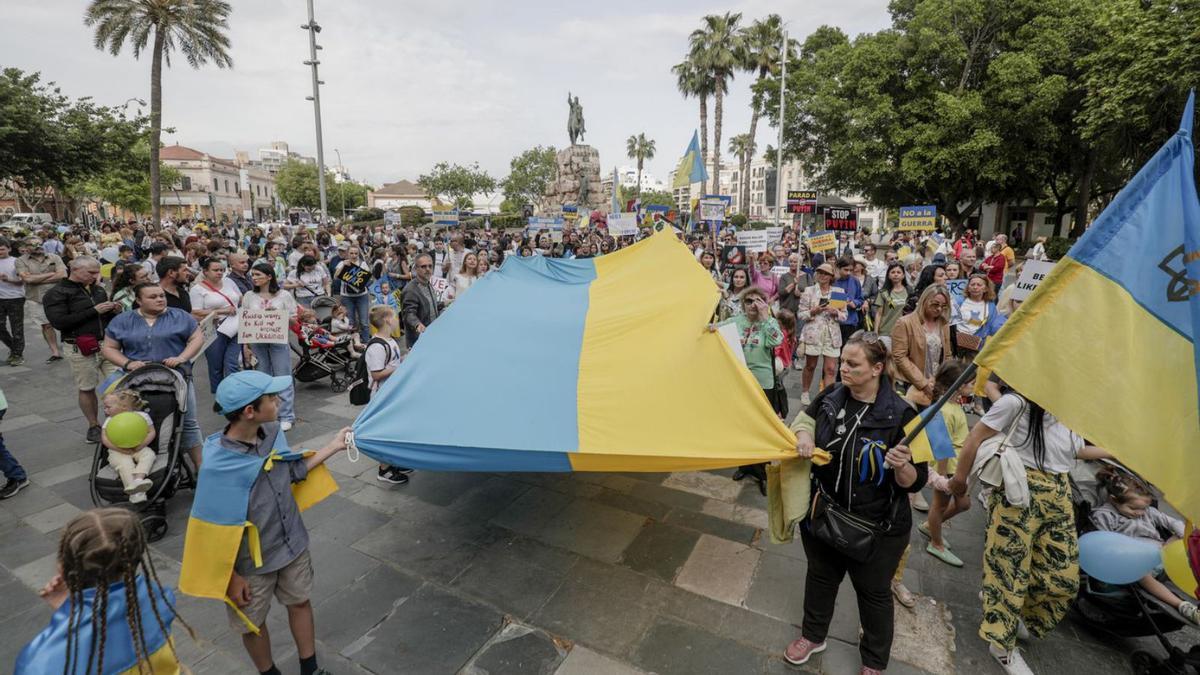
127, 430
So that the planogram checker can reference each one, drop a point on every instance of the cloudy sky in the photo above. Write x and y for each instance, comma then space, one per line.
409, 84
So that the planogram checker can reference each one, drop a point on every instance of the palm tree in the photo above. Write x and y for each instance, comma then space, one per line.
692, 82
742, 147
718, 52
196, 27
762, 41
640, 148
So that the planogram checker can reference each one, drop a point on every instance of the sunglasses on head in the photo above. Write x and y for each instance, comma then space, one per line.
869, 337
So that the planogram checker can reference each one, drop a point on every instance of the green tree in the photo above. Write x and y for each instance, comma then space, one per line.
639, 148
762, 42
528, 175
126, 184
197, 28
717, 49
350, 196
657, 197
455, 184
742, 147
298, 187
692, 81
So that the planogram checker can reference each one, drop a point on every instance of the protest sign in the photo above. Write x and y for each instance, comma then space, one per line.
841, 218
733, 258
780, 270
822, 241
1031, 276
391, 219
208, 328
445, 218
354, 275
263, 326
917, 218
622, 224
753, 240
712, 210
441, 289
774, 234
838, 298
802, 201
957, 288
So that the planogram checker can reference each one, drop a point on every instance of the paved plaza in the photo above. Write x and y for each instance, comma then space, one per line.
574, 574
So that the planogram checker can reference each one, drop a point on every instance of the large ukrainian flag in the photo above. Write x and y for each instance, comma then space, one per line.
601, 364
1107, 343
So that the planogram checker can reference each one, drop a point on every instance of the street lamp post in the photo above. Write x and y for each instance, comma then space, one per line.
342, 185
313, 28
780, 198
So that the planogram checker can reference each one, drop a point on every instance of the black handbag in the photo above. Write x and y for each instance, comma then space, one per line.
852, 536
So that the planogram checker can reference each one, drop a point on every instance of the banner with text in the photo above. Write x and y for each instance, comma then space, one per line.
822, 241
753, 240
622, 224
1031, 277
841, 218
445, 218
917, 218
802, 201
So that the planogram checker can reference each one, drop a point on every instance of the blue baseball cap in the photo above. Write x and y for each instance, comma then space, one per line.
245, 387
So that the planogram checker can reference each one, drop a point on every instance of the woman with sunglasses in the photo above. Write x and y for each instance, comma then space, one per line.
822, 308
921, 343
760, 335
860, 423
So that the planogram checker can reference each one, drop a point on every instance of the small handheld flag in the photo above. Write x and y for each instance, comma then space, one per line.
933, 443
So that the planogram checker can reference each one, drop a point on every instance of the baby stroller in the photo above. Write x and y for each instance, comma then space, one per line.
165, 393
1124, 611
323, 308
334, 362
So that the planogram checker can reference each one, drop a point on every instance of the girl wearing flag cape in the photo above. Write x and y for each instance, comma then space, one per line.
112, 615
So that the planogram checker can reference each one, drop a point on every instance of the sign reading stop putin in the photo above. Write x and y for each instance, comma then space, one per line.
841, 218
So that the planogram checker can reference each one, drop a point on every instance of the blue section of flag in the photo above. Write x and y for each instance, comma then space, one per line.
698, 173
939, 436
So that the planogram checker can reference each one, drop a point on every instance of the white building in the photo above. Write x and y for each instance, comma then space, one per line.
685, 196
274, 157
214, 188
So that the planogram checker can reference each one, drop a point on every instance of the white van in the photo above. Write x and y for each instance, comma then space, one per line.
29, 219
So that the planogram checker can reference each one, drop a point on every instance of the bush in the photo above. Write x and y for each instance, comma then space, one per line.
413, 215
738, 220
1057, 247
364, 215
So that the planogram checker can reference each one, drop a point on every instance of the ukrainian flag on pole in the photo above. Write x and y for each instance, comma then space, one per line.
691, 166
934, 442
1107, 343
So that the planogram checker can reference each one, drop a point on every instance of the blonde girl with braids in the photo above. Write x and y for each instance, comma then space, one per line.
112, 615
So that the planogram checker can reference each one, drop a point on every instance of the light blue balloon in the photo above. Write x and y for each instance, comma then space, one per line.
1117, 558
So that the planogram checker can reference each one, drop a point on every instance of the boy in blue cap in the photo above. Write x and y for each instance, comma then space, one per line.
273, 559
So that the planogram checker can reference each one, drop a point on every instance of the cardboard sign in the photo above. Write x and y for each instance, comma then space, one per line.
774, 234
957, 288
841, 218
822, 241
734, 258
208, 328
354, 275
441, 289
263, 326
622, 224
780, 270
1032, 275
753, 240
917, 218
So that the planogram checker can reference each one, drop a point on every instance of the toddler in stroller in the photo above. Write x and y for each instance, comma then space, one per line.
321, 353
132, 458
163, 394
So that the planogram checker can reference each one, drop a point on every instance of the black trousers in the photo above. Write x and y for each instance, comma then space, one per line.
872, 585
12, 324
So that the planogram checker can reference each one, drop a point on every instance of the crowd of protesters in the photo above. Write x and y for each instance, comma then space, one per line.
870, 327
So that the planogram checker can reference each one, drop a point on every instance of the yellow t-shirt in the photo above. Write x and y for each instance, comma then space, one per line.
956, 424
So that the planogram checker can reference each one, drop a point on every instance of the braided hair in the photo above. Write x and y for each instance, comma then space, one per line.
99, 548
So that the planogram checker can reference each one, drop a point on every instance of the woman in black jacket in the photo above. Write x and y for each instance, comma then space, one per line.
860, 422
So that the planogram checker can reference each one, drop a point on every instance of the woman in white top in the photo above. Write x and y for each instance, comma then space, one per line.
310, 279
215, 294
1031, 554
467, 275
273, 359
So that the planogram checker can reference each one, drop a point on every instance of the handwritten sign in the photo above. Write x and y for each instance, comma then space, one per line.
263, 326
1032, 275
441, 289
753, 240
917, 218
208, 328
780, 270
822, 241
774, 234
622, 224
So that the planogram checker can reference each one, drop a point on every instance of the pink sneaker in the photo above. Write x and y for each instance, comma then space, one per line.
869, 671
800, 651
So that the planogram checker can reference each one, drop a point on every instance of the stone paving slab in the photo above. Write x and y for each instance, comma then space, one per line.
719, 569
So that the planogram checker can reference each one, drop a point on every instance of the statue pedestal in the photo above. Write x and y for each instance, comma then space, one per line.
577, 165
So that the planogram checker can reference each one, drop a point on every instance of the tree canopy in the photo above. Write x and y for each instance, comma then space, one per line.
528, 175
298, 187
455, 184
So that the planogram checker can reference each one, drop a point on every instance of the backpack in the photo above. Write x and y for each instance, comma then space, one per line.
360, 384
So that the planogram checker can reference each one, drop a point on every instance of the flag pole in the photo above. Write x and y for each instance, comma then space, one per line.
780, 199
937, 405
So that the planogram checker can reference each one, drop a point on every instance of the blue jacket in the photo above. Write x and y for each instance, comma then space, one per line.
854, 298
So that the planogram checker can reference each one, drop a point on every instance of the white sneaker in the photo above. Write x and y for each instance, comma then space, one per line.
1191, 612
285, 426
137, 498
804, 400
138, 486
1023, 631
918, 502
1011, 662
